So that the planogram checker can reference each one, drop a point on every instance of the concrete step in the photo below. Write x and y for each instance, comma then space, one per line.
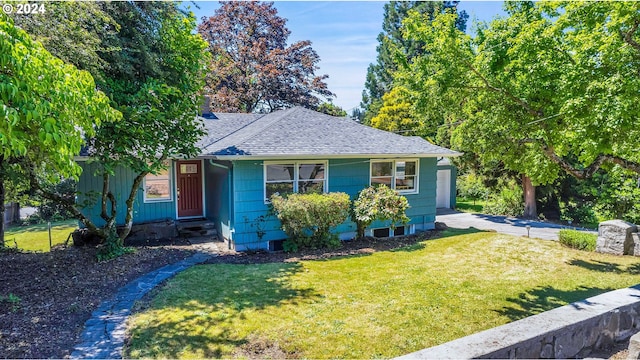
196, 228
189, 233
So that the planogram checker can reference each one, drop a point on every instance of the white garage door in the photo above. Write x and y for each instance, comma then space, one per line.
443, 189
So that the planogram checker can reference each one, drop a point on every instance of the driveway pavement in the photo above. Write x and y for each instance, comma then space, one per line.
501, 224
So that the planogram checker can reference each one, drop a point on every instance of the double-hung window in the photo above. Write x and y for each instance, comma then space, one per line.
295, 177
400, 175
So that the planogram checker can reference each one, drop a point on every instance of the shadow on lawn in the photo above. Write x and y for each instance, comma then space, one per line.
546, 298
20, 229
213, 303
603, 266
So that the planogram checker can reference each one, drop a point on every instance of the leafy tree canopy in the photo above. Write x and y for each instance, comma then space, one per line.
553, 86
46, 106
252, 68
380, 76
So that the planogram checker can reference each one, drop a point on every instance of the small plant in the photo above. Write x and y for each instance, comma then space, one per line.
258, 224
12, 300
578, 239
307, 219
112, 249
379, 203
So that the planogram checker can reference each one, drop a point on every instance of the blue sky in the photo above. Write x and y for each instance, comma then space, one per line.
344, 33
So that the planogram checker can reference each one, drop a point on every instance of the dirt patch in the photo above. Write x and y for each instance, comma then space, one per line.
47, 297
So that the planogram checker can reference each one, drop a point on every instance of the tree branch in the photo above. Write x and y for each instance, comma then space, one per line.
488, 86
628, 36
66, 203
593, 167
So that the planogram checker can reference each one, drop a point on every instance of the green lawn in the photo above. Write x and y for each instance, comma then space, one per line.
466, 205
372, 306
36, 237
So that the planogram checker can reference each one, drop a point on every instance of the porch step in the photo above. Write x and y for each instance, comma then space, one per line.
196, 228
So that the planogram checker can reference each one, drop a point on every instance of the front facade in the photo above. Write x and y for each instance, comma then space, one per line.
247, 157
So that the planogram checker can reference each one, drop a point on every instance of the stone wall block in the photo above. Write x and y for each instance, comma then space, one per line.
634, 347
569, 343
547, 352
636, 244
614, 237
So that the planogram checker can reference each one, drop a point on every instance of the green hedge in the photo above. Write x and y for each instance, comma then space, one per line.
578, 239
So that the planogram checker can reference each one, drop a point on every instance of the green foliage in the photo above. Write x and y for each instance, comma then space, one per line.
549, 88
379, 203
471, 186
330, 109
396, 114
13, 300
112, 248
578, 239
46, 109
307, 219
507, 201
380, 76
581, 214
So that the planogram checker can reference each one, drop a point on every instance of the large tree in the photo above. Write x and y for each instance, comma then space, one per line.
553, 86
152, 68
46, 107
252, 68
380, 76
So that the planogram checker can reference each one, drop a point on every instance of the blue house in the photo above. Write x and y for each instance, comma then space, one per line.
247, 157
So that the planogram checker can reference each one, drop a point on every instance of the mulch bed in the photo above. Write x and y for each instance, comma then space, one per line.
45, 298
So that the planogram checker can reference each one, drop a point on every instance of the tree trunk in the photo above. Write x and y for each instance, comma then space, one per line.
2, 198
530, 210
128, 221
1, 211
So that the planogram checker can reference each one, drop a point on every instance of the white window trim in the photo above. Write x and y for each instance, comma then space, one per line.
296, 164
416, 188
144, 188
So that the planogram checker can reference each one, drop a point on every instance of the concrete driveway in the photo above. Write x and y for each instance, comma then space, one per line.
501, 224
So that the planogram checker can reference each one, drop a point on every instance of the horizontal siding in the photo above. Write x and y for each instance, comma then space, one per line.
344, 175
89, 191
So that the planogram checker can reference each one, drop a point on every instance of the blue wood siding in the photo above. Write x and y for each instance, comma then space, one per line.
345, 175
120, 186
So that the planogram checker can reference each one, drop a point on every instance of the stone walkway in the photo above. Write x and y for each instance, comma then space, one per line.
104, 333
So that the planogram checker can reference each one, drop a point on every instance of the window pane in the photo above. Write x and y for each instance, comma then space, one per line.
311, 171
409, 168
157, 187
406, 183
280, 172
381, 168
381, 180
315, 186
280, 188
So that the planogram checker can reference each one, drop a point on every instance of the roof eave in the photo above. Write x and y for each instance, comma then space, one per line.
329, 156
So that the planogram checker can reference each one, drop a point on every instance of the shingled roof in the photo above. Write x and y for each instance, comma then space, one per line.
299, 132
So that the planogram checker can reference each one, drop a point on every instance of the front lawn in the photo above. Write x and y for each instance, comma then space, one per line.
36, 237
380, 305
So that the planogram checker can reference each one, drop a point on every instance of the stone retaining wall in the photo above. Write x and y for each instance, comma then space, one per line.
567, 332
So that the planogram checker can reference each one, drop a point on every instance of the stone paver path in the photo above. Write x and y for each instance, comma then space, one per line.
501, 224
104, 333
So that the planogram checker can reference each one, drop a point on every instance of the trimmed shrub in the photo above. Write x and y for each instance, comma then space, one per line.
307, 219
578, 239
379, 203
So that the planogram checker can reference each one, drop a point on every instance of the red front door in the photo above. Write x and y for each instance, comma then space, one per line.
189, 188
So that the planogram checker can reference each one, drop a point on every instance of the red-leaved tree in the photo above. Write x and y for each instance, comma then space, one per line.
252, 68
